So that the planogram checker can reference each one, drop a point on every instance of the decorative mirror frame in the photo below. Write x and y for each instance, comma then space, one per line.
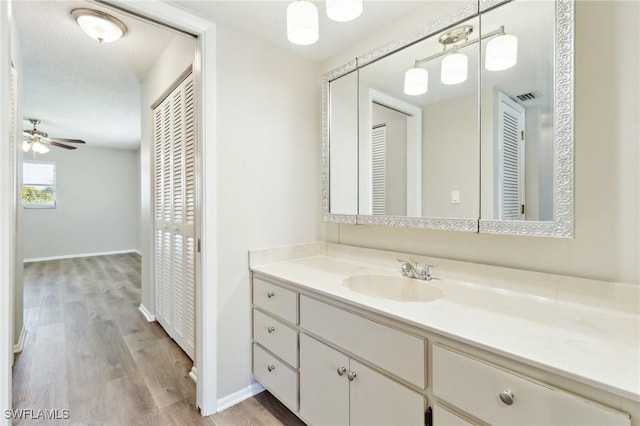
562, 225
326, 79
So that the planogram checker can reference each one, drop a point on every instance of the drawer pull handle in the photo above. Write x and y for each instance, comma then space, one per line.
271, 368
271, 329
270, 294
351, 375
506, 396
341, 371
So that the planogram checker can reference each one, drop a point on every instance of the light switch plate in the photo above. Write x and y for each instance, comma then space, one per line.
455, 197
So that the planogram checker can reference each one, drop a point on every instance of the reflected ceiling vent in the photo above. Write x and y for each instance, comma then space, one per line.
528, 96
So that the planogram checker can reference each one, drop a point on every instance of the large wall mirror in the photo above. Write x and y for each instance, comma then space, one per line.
466, 124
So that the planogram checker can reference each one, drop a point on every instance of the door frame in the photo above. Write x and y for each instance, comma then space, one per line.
206, 283
7, 246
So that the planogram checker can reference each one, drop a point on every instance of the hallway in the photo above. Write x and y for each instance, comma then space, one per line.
88, 350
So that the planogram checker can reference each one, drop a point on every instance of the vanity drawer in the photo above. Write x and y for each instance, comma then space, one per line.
276, 377
398, 352
476, 387
275, 299
276, 337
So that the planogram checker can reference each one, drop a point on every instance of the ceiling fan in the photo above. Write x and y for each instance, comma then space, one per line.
36, 140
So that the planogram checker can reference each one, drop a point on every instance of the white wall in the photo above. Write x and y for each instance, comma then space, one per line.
96, 204
269, 189
450, 157
606, 243
177, 56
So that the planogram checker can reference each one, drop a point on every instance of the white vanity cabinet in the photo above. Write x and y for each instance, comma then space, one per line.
336, 363
338, 390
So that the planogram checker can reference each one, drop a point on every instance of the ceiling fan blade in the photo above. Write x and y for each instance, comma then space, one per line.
67, 140
61, 145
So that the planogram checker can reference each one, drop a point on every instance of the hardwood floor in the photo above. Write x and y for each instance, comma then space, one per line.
89, 351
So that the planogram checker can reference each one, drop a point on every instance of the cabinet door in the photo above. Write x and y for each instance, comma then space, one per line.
324, 394
378, 400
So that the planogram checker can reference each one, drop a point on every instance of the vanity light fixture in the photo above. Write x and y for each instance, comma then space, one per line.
99, 25
501, 54
302, 23
416, 81
344, 10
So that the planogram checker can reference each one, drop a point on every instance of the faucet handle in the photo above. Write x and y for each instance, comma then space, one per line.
425, 272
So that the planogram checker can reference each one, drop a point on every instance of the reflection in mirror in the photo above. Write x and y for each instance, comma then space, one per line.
517, 116
343, 145
418, 140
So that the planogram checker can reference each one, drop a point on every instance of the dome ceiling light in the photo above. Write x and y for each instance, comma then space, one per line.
98, 25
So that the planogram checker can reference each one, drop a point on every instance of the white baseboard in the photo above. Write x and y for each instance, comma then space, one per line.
239, 396
145, 312
17, 348
138, 252
194, 374
73, 256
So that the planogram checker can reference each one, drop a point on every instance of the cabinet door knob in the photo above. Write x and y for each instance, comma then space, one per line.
271, 329
507, 397
271, 367
341, 371
270, 294
351, 375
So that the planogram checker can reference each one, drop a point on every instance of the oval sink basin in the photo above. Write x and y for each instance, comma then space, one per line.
401, 289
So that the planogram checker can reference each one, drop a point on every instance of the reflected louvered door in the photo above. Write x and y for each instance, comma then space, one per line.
378, 167
175, 214
511, 150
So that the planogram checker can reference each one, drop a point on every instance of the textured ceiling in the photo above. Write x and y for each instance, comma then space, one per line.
78, 87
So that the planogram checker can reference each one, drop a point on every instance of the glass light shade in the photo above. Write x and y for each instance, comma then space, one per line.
26, 146
502, 53
100, 28
454, 68
344, 10
416, 81
302, 23
39, 148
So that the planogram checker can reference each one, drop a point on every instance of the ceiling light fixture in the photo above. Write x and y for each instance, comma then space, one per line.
501, 54
302, 23
39, 148
344, 10
99, 25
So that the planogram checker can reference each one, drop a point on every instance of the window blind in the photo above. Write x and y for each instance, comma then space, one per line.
38, 184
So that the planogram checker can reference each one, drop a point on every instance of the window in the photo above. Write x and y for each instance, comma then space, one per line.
38, 184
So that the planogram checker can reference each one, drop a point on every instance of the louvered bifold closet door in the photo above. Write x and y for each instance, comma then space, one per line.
175, 214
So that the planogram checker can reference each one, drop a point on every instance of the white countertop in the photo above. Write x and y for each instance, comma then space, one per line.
596, 346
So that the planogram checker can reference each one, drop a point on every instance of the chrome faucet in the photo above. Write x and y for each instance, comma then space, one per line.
408, 270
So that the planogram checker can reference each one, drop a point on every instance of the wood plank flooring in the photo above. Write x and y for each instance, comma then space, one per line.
88, 350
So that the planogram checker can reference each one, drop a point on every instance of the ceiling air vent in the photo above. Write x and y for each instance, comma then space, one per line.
528, 96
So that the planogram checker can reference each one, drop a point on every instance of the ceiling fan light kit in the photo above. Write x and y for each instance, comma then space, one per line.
98, 25
302, 18
37, 141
